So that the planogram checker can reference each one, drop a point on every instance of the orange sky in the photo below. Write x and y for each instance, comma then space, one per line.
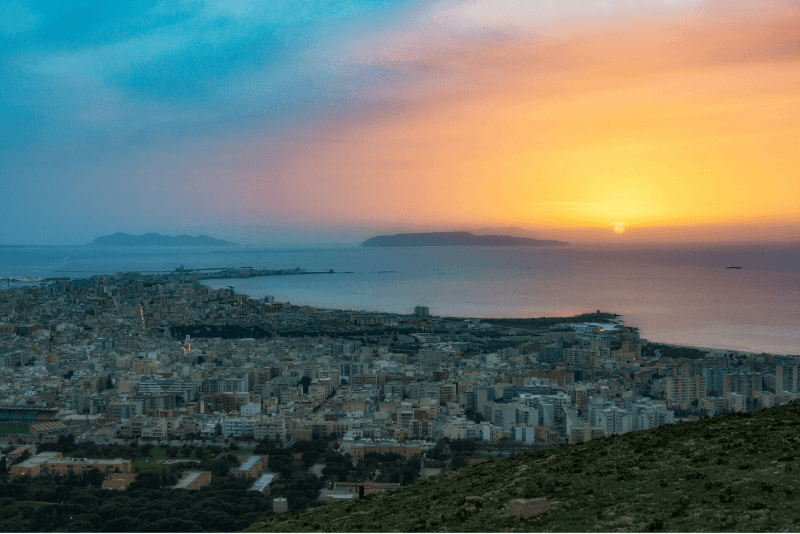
681, 120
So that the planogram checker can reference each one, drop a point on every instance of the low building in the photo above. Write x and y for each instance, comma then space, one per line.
251, 467
119, 481
78, 465
263, 482
547, 436
32, 466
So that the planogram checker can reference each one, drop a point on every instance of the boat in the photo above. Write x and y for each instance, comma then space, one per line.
733, 267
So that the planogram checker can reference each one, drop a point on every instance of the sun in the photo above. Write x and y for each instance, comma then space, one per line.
619, 229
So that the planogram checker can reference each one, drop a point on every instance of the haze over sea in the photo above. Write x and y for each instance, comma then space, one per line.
682, 295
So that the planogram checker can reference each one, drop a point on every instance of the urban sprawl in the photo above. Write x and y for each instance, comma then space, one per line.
165, 360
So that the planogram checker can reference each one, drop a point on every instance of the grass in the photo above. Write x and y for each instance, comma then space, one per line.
13, 428
734, 473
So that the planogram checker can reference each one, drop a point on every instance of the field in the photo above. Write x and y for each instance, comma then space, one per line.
737, 472
13, 428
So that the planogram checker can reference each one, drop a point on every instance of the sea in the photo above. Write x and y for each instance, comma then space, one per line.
682, 295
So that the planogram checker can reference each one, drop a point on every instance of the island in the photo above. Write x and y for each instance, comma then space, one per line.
443, 239
121, 239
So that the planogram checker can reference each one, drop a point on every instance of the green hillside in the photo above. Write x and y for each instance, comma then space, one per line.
737, 472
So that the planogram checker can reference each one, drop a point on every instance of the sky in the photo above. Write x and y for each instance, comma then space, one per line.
331, 121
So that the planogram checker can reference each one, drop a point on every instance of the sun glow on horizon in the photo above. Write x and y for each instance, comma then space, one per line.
613, 131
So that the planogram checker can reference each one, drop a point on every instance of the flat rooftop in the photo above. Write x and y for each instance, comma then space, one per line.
250, 463
42, 457
188, 478
263, 481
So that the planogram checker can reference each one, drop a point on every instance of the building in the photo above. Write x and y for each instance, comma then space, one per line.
52, 462
683, 391
545, 435
251, 467
263, 482
119, 481
743, 383
585, 432
193, 480
786, 378
33, 465
736, 402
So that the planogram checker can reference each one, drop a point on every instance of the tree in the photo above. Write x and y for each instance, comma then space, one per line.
459, 460
172, 452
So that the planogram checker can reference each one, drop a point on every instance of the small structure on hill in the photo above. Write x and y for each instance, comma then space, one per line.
526, 508
280, 505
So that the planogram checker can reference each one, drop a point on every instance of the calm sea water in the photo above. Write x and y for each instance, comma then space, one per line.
675, 295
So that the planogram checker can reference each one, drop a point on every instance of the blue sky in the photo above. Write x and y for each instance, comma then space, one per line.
107, 106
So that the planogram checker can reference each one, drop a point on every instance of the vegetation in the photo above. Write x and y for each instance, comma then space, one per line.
672, 352
302, 489
546, 322
230, 331
736, 472
76, 503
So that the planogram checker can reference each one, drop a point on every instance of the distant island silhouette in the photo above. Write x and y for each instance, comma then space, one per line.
442, 239
121, 239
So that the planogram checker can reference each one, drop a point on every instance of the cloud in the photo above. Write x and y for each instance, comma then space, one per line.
639, 119
178, 63
419, 113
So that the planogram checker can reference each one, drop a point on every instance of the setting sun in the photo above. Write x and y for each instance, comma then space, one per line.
619, 229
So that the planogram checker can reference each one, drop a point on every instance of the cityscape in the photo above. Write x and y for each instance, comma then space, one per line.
163, 360
399, 266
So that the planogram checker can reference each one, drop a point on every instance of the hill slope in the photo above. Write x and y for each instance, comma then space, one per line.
737, 472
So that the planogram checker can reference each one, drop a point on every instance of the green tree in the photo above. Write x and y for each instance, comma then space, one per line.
459, 460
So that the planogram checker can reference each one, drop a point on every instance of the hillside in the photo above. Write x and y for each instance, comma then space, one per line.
121, 239
443, 239
737, 472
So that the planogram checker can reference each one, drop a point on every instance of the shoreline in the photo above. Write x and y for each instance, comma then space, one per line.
619, 317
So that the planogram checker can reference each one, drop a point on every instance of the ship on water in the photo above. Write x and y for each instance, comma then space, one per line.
733, 267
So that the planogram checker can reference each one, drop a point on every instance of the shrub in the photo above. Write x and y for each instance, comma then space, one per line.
767, 487
655, 525
726, 496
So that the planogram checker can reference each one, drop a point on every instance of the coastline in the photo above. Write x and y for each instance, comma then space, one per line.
621, 317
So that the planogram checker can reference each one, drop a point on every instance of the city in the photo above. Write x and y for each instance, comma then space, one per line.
161, 359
